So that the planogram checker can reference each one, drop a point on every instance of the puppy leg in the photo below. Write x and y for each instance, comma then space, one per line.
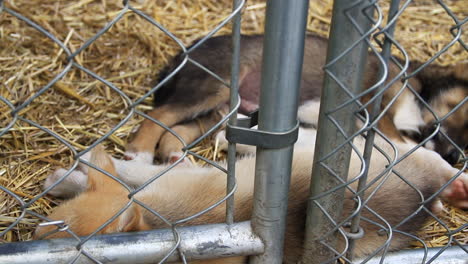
457, 192
149, 133
170, 148
136, 173
72, 185
75, 182
83, 167
146, 138
241, 149
133, 173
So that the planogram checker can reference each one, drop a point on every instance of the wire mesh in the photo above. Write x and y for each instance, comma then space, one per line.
131, 109
324, 232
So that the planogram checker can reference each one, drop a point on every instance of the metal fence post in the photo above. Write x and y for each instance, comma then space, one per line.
281, 74
344, 70
139, 247
236, 36
374, 114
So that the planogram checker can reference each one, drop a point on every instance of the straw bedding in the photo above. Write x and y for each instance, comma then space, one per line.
81, 109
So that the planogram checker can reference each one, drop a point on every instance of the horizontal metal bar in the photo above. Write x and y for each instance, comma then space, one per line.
198, 242
451, 255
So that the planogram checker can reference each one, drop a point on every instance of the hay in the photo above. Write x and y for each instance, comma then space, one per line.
81, 109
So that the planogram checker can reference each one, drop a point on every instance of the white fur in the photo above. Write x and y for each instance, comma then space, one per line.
72, 185
144, 157
430, 145
309, 112
132, 172
437, 207
408, 115
83, 167
240, 148
306, 138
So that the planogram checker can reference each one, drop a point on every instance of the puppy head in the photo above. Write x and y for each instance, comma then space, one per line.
102, 200
88, 212
455, 126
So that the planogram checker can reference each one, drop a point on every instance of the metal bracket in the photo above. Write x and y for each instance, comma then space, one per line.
243, 133
358, 235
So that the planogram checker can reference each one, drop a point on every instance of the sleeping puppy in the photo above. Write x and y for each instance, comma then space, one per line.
453, 126
193, 93
184, 191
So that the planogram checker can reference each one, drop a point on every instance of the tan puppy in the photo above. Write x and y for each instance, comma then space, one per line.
184, 191
100, 190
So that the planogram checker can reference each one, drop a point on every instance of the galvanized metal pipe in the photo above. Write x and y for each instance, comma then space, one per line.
234, 93
283, 54
450, 255
349, 71
198, 242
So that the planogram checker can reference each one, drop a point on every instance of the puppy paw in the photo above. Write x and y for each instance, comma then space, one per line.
222, 141
72, 185
143, 157
457, 192
175, 156
437, 207
83, 167
241, 149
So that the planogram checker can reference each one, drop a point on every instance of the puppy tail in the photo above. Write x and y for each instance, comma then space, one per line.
458, 71
98, 180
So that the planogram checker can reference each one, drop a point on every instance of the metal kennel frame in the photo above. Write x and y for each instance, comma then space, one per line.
354, 24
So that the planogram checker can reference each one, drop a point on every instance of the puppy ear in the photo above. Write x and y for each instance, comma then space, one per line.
132, 220
98, 180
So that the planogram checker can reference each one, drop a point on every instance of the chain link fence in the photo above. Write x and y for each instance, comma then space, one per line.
356, 28
355, 24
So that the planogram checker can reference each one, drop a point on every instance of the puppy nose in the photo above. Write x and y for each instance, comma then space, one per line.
452, 157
